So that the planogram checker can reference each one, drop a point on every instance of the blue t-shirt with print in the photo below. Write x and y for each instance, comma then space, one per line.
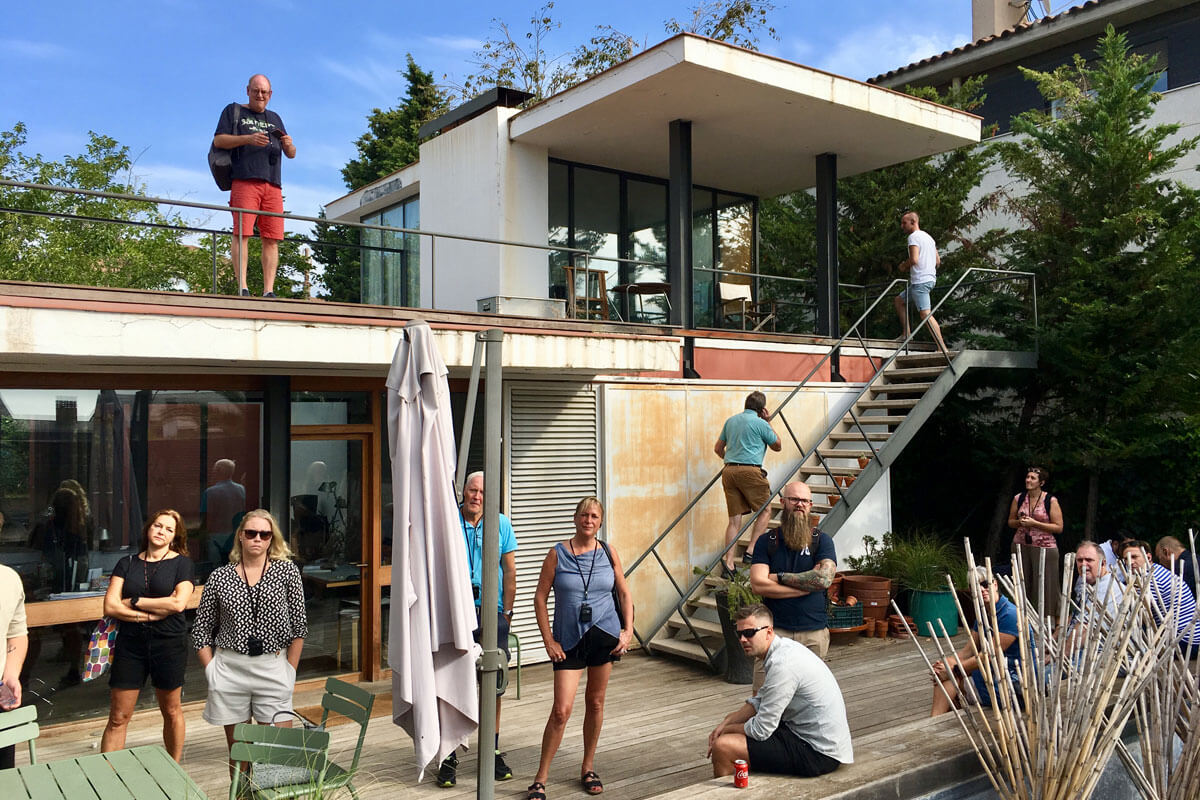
807, 613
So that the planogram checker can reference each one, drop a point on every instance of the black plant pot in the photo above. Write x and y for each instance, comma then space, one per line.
739, 667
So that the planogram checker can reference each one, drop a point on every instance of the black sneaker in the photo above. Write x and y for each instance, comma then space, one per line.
503, 773
268, 294
244, 293
448, 772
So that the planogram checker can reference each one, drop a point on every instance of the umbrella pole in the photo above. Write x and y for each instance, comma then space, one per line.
493, 658
464, 443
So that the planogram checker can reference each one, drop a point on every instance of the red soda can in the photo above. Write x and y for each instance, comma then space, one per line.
741, 774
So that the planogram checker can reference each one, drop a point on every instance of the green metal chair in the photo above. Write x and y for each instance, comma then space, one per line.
20, 725
299, 754
514, 643
308, 756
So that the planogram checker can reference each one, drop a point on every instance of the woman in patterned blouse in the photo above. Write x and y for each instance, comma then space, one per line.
250, 628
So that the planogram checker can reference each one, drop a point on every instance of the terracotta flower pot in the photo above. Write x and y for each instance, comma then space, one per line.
881, 628
863, 461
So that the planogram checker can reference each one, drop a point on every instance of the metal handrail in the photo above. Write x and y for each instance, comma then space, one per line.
804, 455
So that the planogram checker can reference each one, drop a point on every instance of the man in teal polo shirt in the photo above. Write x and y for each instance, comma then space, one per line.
743, 443
472, 525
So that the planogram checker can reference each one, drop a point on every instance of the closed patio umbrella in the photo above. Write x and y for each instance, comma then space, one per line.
431, 650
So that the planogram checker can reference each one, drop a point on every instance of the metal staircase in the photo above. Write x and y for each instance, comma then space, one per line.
841, 467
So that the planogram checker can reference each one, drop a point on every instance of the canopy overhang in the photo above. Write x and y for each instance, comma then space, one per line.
758, 122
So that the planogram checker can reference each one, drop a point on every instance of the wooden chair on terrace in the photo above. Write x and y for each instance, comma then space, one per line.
737, 300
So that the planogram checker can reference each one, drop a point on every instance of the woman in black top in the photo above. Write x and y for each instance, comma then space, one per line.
148, 593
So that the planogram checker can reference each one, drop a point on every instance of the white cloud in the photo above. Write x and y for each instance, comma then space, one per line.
377, 78
872, 51
24, 48
455, 43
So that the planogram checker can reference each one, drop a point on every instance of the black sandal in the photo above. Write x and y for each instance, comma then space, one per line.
536, 791
591, 782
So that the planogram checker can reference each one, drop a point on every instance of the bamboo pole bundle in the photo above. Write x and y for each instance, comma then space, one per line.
1166, 714
1046, 726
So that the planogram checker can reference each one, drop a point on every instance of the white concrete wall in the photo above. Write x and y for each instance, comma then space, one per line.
1180, 106
871, 517
476, 182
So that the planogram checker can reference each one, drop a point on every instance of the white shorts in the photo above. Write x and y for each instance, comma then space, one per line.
242, 687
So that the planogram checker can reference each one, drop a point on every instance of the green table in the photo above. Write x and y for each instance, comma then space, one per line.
140, 773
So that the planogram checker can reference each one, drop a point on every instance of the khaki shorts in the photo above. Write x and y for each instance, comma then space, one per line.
746, 488
817, 641
241, 687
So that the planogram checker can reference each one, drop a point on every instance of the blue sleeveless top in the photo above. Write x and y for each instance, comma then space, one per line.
569, 577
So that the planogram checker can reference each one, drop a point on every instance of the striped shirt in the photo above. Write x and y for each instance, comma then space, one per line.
1169, 591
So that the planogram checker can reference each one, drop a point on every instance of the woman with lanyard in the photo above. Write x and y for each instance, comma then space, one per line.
147, 594
587, 633
250, 628
1038, 520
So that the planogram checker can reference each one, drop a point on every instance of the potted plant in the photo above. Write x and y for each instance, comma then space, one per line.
920, 563
739, 667
872, 584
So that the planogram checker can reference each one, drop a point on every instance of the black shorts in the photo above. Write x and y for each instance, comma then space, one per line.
785, 753
593, 650
136, 657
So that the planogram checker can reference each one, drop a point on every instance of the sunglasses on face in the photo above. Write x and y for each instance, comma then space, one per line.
251, 534
748, 633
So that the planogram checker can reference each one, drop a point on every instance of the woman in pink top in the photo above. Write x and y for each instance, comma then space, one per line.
1037, 518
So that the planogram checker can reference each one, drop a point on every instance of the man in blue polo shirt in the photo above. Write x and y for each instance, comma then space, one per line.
744, 440
792, 568
472, 525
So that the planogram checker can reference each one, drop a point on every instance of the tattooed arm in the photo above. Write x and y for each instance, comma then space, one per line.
816, 579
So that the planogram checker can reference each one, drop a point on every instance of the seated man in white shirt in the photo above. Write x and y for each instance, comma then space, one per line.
796, 724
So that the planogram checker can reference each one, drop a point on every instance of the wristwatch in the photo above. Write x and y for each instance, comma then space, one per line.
508, 613
133, 601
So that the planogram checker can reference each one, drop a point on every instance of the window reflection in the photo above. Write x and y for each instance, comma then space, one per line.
79, 469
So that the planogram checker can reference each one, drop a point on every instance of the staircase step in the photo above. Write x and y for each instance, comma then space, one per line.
913, 374
870, 419
831, 453
702, 626
817, 469
904, 403
935, 359
703, 601
900, 388
856, 436
684, 648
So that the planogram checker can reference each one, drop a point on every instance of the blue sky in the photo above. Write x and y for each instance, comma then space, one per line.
155, 75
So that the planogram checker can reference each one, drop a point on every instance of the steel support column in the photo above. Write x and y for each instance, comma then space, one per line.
277, 448
828, 315
679, 224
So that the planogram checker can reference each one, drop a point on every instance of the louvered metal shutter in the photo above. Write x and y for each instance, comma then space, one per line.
553, 461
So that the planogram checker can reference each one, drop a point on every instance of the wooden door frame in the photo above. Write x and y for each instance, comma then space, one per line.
372, 575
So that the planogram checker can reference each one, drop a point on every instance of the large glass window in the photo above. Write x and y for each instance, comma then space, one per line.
724, 257
391, 273
79, 471
611, 215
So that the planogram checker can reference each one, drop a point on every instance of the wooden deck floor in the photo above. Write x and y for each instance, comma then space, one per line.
658, 716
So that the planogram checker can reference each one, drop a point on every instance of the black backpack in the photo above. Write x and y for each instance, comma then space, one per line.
220, 160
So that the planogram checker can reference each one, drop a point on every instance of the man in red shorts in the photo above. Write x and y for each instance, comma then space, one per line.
256, 143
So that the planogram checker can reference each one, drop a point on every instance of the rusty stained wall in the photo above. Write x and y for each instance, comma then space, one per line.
658, 444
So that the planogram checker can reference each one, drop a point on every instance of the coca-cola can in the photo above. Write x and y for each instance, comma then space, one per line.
741, 774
